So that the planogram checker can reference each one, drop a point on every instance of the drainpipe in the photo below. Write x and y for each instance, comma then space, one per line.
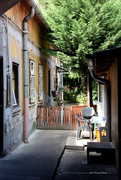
25, 58
108, 91
103, 81
8, 47
38, 13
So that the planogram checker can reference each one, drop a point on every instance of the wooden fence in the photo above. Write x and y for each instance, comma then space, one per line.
57, 117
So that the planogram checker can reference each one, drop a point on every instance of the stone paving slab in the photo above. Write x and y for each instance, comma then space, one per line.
77, 144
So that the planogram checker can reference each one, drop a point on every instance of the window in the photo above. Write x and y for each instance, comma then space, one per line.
32, 81
15, 84
8, 96
40, 83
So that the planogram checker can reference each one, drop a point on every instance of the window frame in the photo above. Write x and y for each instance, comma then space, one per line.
8, 92
15, 95
40, 83
31, 77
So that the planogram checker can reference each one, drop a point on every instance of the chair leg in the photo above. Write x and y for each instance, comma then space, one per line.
79, 133
90, 135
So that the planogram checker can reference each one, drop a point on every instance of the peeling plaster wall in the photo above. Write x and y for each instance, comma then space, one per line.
39, 58
3, 53
13, 127
13, 117
13, 121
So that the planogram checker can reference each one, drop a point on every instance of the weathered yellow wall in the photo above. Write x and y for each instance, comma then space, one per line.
37, 34
16, 55
38, 60
18, 13
14, 117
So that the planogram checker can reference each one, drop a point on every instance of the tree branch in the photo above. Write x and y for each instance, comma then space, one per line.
58, 50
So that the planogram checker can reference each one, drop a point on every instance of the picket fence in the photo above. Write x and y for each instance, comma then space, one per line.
59, 117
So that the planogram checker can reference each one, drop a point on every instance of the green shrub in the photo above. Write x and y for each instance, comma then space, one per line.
82, 98
69, 94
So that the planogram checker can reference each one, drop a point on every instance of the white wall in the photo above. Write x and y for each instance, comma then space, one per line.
101, 101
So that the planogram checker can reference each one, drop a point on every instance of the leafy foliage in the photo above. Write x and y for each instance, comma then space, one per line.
82, 98
95, 91
70, 94
72, 83
82, 26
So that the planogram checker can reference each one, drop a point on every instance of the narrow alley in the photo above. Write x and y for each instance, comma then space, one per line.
48, 156
52, 54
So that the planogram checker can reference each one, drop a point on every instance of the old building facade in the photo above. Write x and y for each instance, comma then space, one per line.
27, 74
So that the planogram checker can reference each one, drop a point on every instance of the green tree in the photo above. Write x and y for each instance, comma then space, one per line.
80, 27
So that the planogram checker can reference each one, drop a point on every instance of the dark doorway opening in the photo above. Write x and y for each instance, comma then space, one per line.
1, 106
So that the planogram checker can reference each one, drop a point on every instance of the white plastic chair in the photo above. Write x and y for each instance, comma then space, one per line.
87, 113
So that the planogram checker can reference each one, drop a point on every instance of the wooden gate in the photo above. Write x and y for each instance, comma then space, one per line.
57, 117
72, 111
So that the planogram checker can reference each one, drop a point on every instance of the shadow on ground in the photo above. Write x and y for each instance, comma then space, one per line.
53, 154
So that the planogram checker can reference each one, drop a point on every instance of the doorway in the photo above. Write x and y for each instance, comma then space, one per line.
1, 106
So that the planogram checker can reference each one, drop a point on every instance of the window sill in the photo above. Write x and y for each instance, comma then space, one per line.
16, 111
40, 102
31, 105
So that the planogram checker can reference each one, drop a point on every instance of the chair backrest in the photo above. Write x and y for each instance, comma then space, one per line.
85, 121
88, 112
77, 116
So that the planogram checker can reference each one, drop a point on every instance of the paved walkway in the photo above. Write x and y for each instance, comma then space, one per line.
73, 164
36, 160
53, 155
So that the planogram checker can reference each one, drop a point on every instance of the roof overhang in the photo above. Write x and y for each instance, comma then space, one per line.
102, 60
62, 70
5, 5
38, 15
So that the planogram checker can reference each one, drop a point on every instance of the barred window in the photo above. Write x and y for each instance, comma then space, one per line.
40, 74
